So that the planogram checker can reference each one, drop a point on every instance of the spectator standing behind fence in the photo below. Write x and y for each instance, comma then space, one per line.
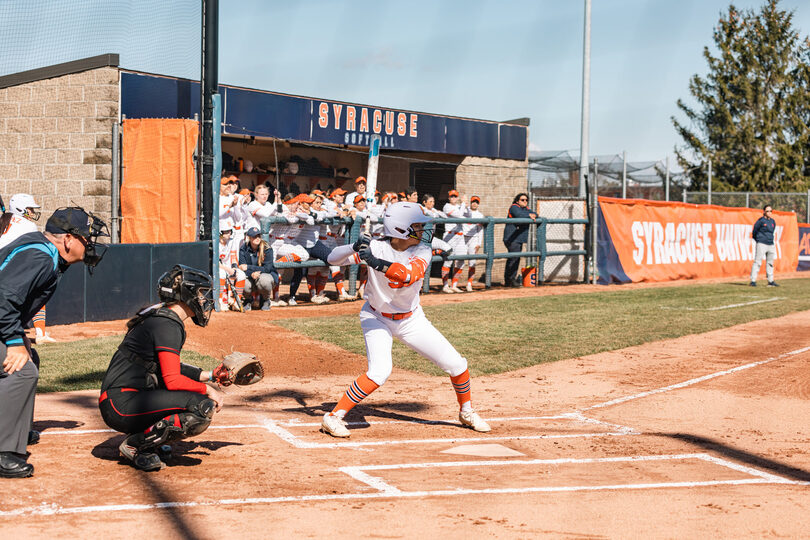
763, 236
514, 236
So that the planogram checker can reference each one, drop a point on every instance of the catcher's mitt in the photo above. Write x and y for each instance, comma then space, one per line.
238, 368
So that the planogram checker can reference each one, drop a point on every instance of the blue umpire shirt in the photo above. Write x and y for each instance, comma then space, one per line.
30, 268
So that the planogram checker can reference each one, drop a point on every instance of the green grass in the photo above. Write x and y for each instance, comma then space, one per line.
503, 335
80, 365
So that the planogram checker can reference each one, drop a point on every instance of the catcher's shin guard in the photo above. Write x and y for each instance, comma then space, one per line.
178, 426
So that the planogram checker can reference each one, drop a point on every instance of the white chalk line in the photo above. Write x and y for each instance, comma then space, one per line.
89, 431
729, 306
385, 490
697, 380
280, 430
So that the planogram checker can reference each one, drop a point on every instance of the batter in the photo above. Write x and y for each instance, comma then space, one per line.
396, 269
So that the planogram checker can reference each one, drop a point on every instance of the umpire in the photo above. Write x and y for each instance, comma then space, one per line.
30, 268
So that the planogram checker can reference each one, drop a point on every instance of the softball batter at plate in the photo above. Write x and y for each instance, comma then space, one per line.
396, 269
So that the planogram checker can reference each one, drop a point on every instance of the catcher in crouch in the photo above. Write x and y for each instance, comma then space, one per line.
397, 267
147, 392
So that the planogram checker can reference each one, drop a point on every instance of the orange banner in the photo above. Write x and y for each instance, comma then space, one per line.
158, 192
661, 241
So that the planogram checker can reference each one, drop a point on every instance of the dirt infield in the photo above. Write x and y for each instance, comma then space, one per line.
699, 436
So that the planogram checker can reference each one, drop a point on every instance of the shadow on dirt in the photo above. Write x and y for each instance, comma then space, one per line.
386, 410
736, 454
43, 425
183, 452
298, 396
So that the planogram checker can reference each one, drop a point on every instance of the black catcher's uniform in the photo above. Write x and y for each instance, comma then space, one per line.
146, 381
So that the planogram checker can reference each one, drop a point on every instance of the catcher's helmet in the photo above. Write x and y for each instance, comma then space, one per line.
399, 218
192, 287
23, 205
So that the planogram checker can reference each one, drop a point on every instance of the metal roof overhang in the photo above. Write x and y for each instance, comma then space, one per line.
260, 113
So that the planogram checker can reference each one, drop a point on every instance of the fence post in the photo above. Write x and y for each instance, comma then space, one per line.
541, 247
808, 207
489, 249
667, 182
426, 281
684, 194
748, 199
594, 205
624, 174
709, 201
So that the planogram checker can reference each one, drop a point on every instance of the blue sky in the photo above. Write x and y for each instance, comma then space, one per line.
480, 59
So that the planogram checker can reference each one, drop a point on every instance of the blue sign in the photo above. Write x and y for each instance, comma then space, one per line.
267, 114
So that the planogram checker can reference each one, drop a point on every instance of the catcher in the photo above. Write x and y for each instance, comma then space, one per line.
147, 392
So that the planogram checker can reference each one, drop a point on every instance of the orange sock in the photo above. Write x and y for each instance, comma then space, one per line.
445, 274
337, 277
223, 291
456, 275
461, 384
470, 274
357, 391
39, 321
239, 285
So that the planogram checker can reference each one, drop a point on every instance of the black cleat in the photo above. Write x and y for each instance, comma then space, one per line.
13, 466
752, 284
145, 461
33, 437
164, 452
773, 284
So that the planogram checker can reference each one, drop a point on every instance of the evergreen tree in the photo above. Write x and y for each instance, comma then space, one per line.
752, 118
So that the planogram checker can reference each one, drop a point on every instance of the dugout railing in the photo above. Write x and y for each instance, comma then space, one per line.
488, 255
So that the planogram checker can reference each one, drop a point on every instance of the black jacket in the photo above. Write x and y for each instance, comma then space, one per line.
763, 231
251, 258
513, 232
30, 268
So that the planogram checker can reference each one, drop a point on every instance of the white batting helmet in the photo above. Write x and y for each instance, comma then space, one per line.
225, 225
399, 218
20, 203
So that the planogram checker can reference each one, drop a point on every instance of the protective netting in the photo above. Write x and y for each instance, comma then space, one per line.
149, 35
556, 173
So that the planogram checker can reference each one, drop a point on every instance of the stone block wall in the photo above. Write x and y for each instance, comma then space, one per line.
496, 181
56, 140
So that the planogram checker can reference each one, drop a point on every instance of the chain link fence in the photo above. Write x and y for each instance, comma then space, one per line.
786, 202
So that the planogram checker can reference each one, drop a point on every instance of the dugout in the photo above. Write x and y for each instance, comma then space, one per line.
68, 136
61, 140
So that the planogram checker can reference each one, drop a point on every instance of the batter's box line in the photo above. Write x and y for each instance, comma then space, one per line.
297, 442
361, 474
384, 490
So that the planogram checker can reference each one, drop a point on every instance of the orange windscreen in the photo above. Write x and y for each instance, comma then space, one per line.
158, 192
660, 241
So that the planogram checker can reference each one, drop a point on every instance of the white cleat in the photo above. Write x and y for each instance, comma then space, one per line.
472, 420
292, 302
469, 287
277, 303
344, 296
45, 338
447, 289
320, 299
455, 288
335, 426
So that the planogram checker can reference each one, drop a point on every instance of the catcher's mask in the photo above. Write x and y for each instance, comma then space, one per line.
84, 225
190, 286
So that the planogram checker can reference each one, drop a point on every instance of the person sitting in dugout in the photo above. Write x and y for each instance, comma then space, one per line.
147, 393
256, 261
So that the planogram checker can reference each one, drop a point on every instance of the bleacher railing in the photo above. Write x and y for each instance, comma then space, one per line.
540, 251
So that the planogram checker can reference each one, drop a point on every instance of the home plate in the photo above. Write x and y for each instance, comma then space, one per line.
483, 450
